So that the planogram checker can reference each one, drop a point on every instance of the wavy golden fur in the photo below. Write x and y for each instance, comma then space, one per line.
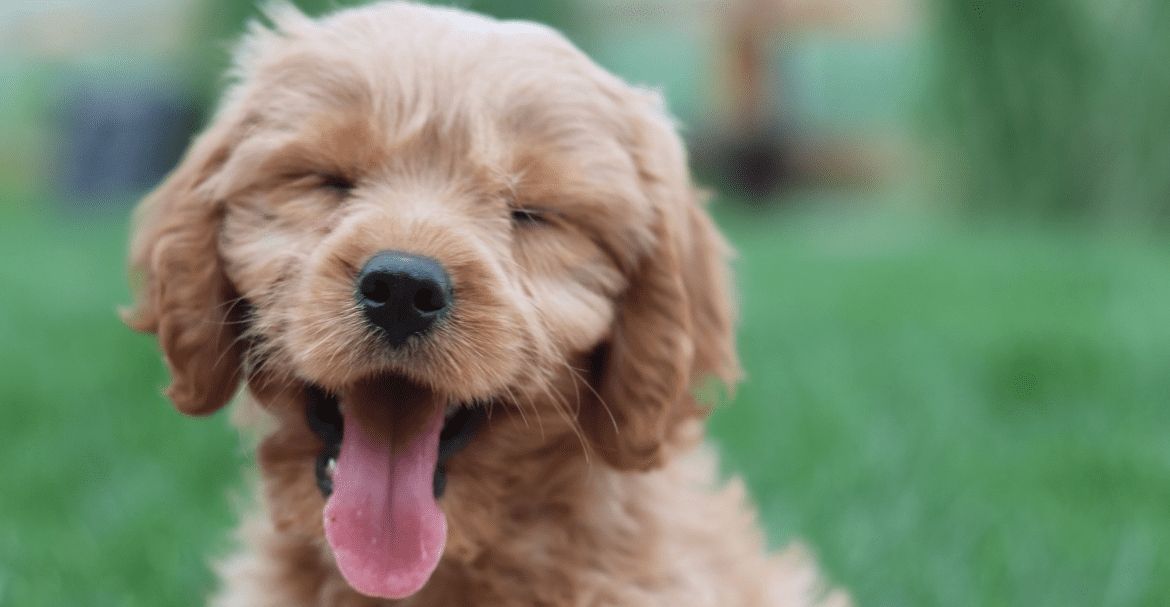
587, 331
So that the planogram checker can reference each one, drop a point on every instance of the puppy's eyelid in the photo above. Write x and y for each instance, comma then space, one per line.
529, 216
337, 183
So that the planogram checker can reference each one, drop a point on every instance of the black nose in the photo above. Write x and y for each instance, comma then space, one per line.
403, 294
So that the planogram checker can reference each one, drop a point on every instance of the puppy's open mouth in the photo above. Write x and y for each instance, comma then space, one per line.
383, 467
460, 423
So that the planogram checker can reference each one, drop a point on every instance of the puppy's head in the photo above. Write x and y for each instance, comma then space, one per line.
409, 211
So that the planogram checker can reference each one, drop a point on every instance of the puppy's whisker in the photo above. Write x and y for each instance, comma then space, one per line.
224, 309
575, 425
536, 412
576, 373
519, 406
229, 307
561, 407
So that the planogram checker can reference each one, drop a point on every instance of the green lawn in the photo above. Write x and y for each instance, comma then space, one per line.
948, 415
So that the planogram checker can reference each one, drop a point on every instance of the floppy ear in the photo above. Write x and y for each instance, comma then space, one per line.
184, 296
675, 323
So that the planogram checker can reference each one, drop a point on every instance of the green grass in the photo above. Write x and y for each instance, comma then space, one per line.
955, 415
109, 497
946, 414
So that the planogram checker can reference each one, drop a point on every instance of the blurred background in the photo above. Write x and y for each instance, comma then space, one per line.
953, 221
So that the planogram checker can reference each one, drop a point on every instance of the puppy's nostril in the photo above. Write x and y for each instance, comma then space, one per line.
429, 299
376, 289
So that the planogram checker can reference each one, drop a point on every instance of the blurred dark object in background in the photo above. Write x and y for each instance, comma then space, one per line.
757, 166
756, 162
117, 141
750, 152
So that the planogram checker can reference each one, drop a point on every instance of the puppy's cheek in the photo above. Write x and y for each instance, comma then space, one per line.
326, 335
258, 260
331, 347
575, 317
486, 344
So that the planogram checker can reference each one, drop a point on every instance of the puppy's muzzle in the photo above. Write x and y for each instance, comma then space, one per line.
403, 294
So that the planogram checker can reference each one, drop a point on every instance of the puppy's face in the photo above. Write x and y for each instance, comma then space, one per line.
508, 184
409, 212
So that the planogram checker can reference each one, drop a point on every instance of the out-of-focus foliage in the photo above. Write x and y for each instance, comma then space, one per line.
1054, 108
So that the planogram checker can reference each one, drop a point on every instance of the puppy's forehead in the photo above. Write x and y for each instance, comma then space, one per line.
417, 94
397, 67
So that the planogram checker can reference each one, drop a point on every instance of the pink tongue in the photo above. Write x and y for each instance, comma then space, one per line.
383, 524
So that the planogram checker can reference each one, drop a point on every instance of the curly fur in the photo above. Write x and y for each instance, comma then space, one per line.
587, 333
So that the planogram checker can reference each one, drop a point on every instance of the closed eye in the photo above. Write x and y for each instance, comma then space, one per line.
528, 217
337, 183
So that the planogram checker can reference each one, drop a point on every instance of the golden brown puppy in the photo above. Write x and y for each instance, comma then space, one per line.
464, 273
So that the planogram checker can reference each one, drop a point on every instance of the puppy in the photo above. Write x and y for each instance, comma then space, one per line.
464, 274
